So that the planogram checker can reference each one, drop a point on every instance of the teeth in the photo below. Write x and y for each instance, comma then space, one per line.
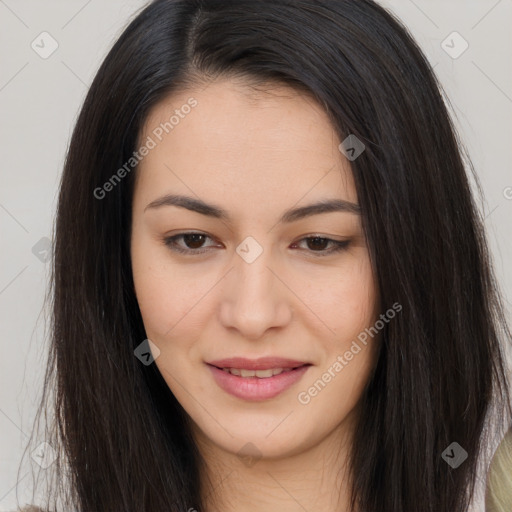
261, 374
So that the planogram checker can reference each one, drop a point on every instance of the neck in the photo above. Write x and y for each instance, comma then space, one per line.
313, 479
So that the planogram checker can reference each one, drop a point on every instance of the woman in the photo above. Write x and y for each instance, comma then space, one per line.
272, 289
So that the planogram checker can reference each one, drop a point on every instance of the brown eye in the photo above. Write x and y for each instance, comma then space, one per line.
194, 240
189, 243
317, 243
321, 246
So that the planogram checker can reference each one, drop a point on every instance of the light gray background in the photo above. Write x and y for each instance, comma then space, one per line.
39, 101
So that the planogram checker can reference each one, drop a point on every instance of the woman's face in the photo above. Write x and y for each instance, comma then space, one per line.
268, 281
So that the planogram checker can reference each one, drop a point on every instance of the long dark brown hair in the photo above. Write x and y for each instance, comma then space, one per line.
121, 438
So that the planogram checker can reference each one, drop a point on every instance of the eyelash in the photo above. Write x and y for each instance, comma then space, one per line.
170, 242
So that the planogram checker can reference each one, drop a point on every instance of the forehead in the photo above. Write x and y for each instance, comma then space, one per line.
270, 144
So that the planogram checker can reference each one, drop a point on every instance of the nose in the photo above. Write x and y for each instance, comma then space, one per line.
254, 300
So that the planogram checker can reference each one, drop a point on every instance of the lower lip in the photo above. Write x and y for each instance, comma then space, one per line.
254, 388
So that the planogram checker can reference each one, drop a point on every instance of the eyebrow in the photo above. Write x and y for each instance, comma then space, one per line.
291, 215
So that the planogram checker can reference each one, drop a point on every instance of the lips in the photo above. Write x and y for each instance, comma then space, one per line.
263, 363
257, 379
260, 374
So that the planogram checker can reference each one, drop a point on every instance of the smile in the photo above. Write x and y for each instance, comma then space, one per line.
257, 380
260, 374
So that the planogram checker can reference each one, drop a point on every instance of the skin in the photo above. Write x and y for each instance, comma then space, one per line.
256, 154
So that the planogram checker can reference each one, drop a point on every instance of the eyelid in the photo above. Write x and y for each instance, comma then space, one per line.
339, 245
169, 241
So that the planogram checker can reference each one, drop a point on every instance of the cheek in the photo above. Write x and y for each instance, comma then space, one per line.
345, 298
164, 293
349, 309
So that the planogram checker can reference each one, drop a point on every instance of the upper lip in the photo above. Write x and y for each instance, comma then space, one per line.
263, 363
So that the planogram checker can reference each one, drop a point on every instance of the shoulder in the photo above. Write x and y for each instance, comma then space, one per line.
504, 452
499, 480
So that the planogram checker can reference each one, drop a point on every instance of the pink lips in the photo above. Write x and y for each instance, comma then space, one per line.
256, 388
